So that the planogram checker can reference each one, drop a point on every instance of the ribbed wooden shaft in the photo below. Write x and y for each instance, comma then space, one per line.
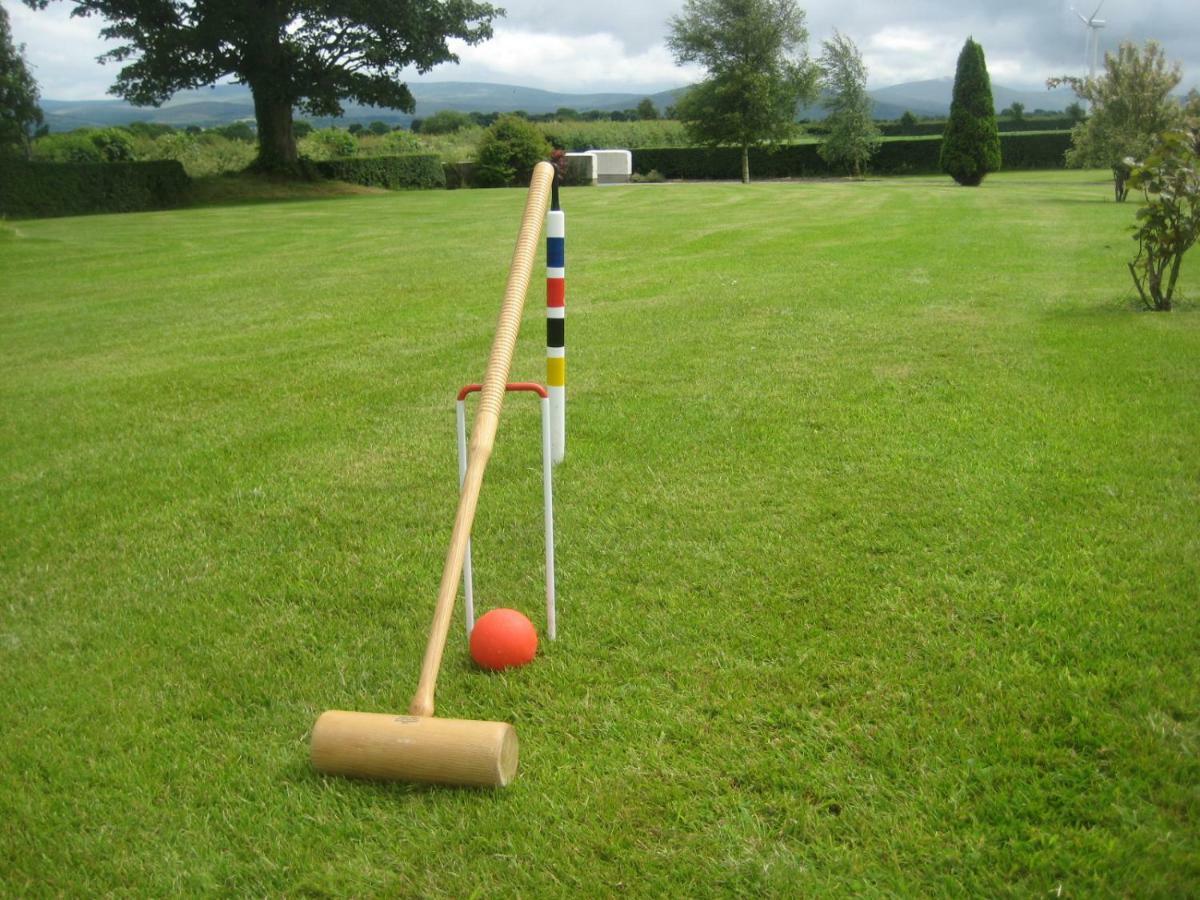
483, 431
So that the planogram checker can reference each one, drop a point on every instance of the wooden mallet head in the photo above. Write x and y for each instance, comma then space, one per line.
415, 748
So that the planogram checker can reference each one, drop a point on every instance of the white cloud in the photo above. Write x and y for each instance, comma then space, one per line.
61, 51
896, 54
570, 63
619, 44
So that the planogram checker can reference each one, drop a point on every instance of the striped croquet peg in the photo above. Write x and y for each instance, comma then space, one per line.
556, 316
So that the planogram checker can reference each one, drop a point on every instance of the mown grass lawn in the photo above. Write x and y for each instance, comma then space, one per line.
878, 556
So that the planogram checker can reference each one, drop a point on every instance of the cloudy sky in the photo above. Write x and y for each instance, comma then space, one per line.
617, 45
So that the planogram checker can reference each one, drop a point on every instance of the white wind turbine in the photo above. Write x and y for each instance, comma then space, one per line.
1091, 41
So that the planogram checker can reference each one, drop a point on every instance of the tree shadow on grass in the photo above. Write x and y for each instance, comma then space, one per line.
256, 190
1125, 305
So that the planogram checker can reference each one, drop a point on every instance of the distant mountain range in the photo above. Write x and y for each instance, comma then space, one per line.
226, 103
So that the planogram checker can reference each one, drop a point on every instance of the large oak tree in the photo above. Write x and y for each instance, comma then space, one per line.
306, 54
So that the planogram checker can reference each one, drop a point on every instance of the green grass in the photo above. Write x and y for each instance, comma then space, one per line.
877, 546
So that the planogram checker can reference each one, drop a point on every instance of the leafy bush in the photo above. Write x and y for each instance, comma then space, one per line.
38, 189
400, 142
148, 129
71, 147
207, 153
508, 151
414, 171
456, 147
86, 145
446, 121
1169, 180
237, 131
328, 143
115, 144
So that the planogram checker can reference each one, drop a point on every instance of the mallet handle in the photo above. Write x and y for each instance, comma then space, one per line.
483, 431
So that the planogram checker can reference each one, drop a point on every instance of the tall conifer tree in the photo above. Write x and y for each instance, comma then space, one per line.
971, 144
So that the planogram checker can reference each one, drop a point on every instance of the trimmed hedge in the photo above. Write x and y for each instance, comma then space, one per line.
917, 156
458, 175
415, 171
43, 189
1035, 151
938, 127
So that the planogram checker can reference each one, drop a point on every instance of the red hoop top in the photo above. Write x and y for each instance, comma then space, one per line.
512, 386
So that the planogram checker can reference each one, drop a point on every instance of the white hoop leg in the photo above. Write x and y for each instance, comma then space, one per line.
468, 581
548, 499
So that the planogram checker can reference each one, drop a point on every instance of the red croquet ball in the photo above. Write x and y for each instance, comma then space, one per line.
503, 638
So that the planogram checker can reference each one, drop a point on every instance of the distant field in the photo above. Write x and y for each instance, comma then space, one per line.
878, 560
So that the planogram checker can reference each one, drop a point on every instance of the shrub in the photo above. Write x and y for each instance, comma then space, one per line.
413, 171
971, 145
445, 121
1169, 179
328, 143
39, 189
72, 147
148, 129
114, 144
399, 142
86, 145
508, 151
237, 131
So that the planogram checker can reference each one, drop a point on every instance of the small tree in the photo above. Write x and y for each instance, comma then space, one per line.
758, 71
1169, 220
853, 136
971, 144
508, 151
907, 122
236, 131
1015, 111
1131, 105
20, 114
646, 110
